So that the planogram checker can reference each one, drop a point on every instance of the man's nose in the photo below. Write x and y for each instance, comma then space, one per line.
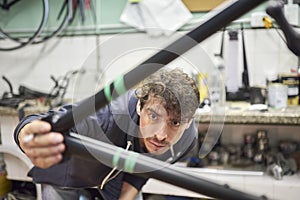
161, 133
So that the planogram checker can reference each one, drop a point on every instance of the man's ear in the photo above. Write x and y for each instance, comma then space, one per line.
138, 107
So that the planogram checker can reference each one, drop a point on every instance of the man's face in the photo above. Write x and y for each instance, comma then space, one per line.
158, 129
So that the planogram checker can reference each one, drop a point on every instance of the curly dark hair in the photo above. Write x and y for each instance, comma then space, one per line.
176, 90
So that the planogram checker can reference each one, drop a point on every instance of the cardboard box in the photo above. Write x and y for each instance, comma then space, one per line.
202, 5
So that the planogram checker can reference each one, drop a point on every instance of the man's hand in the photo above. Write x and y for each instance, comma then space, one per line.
43, 147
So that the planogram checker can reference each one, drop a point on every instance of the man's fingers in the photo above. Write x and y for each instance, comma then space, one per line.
37, 127
45, 151
45, 157
45, 162
39, 140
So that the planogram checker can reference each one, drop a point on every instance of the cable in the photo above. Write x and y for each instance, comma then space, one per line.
63, 24
36, 33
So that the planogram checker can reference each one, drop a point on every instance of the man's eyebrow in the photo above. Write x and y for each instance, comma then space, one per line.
152, 110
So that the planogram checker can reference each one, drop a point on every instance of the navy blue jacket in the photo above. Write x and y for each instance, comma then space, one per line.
116, 123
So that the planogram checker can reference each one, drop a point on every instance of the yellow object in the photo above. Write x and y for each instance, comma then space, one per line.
292, 81
203, 86
293, 100
267, 22
5, 184
134, 1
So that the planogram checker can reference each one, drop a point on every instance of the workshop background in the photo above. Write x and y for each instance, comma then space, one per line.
267, 54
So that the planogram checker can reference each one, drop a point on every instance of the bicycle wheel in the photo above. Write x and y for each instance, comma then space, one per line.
17, 15
67, 9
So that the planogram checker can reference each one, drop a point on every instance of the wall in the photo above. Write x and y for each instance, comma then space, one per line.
101, 16
33, 65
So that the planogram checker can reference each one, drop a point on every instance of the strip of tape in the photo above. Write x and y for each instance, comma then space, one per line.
107, 93
116, 158
119, 85
130, 162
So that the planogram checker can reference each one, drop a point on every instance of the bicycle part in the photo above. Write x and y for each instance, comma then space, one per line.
36, 33
6, 6
67, 18
11, 91
61, 27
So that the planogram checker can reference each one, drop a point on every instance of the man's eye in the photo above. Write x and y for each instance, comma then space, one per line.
175, 123
153, 116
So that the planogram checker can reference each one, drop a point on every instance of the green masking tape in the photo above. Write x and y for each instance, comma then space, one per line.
130, 162
119, 85
116, 158
107, 93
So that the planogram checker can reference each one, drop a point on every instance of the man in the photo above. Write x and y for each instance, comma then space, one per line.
156, 120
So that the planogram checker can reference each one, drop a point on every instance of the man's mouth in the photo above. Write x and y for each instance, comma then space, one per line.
156, 145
